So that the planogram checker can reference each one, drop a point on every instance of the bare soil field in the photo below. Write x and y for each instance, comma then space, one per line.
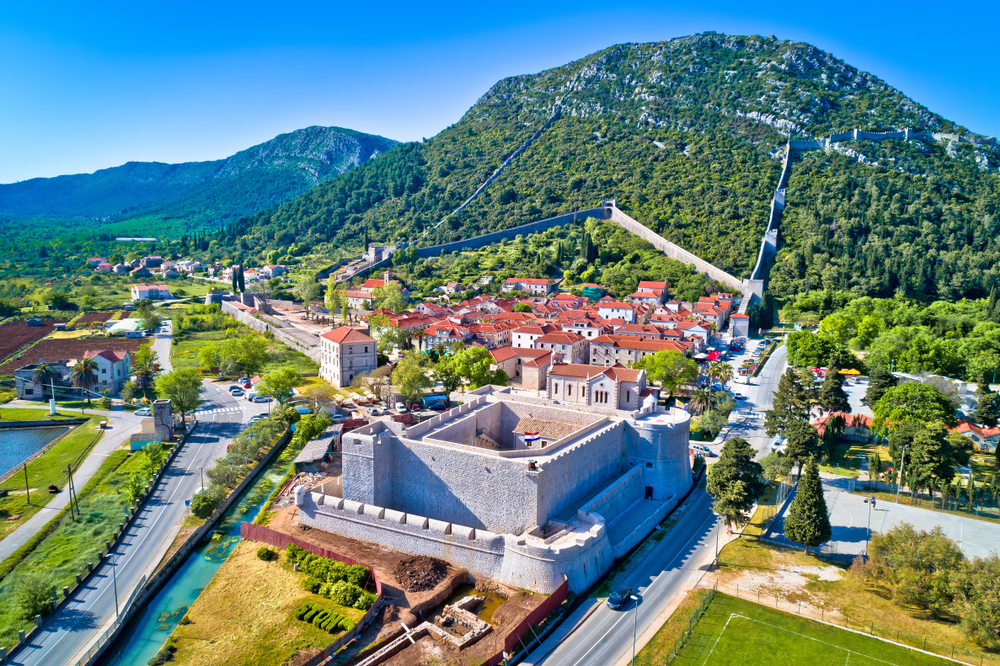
91, 317
54, 350
17, 335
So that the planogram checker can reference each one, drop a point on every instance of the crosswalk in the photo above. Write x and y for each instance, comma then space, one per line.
217, 410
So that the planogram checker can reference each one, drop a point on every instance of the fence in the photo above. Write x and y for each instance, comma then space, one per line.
514, 641
112, 631
271, 537
692, 620
893, 635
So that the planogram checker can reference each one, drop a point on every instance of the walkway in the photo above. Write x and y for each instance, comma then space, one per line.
121, 425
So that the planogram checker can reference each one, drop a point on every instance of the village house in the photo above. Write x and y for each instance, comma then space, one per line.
372, 284
152, 292
358, 300
616, 387
566, 347
527, 367
534, 286
525, 336
153, 261
611, 309
346, 352
445, 333
104, 267
113, 369
94, 261
983, 438
623, 349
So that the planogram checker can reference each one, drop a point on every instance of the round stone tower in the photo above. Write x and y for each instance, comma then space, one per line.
659, 445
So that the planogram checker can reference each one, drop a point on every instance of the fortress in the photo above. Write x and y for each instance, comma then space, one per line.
466, 486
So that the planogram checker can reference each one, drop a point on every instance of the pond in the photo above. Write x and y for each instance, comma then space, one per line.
19, 444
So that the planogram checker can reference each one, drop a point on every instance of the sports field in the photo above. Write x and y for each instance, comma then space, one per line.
733, 632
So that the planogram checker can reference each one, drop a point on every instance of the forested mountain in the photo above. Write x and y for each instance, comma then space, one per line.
685, 135
191, 196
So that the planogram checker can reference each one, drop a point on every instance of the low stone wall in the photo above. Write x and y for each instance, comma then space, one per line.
315, 353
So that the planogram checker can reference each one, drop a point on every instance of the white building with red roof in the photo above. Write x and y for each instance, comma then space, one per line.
612, 349
525, 336
616, 387
529, 367
345, 353
113, 369
150, 292
983, 438
566, 346
535, 286
611, 309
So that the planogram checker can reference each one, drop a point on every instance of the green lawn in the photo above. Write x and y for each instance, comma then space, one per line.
185, 352
734, 632
47, 469
29, 414
65, 545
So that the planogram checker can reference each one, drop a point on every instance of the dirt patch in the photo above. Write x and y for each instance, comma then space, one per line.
91, 317
17, 335
420, 573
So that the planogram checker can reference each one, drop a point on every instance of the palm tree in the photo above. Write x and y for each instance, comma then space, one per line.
702, 400
721, 372
84, 375
44, 373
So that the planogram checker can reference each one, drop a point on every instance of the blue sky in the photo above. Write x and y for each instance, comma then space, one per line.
93, 85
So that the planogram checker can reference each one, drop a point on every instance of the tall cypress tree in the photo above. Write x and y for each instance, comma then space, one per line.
808, 521
791, 403
235, 279
880, 380
241, 283
832, 396
735, 481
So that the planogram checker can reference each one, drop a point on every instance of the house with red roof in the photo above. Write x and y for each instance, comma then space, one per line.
566, 347
113, 368
345, 353
372, 284
446, 333
525, 336
616, 387
984, 439
612, 309
535, 286
857, 427
528, 367
621, 349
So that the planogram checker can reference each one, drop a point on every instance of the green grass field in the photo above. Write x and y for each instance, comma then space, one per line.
733, 632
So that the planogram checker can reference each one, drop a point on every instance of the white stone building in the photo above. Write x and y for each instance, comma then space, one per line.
346, 352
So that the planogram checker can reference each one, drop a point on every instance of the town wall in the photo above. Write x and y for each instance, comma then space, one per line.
315, 353
510, 234
632, 539
660, 447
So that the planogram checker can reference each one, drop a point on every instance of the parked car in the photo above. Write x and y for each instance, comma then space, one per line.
247, 385
415, 407
375, 411
336, 417
251, 395
256, 417
716, 386
401, 407
143, 411
778, 446
235, 387
739, 396
243, 380
237, 392
619, 598
261, 398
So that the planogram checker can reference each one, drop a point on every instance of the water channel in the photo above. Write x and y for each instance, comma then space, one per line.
19, 444
146, 633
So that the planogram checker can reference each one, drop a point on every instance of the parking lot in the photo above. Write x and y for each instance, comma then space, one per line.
849, 516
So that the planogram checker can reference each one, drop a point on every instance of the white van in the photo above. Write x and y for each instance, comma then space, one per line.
251, 395
701, 450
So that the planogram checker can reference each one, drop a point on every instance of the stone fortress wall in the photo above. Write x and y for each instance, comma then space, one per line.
500, 517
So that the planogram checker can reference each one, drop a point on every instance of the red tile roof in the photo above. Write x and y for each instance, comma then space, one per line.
618, 372
561, 337
347, 334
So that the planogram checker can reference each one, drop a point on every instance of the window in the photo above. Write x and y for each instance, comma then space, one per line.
366, 349
569, 389
556, 385
104, 371
628, 396
649, 465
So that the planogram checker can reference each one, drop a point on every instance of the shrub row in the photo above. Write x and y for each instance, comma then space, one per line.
331, 579
322, 618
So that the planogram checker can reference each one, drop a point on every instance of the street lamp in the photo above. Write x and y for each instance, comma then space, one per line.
718, 528
202, 477
114, 578
870, 501
635, 622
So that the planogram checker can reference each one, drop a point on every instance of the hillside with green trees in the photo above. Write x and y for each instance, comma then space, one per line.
157, 199
684, 134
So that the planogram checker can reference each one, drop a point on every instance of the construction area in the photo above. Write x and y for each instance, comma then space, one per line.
434, 613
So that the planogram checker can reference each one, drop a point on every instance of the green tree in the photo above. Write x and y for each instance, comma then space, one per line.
808, 520
205, 502
670, 369
988, 409
33, 595
308, 290
44, 374
247, 354
522, 307
410, 375
721, 372
775, 466
833, 397
209, 357
390, 297
791, 404
734, 482
880, 380
332, 296
183, 389
912, 401
279, 384
468, 367
802, 443
703, 399
977, 600
128, 391
84, 376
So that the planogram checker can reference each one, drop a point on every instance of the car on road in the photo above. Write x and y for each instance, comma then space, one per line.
716, 386
701, 450
739, 396
236, 392
247, 385
261, 398
619, 598
401, 407
336, 417
235, 387
143, 411
256, 417
778, 446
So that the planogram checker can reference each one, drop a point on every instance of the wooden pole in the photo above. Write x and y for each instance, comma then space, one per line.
69, 489
27, 491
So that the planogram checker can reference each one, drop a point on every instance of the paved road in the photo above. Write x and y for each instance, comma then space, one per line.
605, 636
121, 425
161, 345
68, 633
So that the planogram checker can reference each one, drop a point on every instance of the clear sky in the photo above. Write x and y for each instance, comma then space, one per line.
89, 85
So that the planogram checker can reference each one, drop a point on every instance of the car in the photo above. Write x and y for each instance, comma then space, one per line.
336, 417
716, 386
243, 380
261, 398
739, 396
375, 411
247, 385
439, 407
256, 417
701, 450
619, 598
143, 411
401, 407
234, 387
415, 407
778, 446
236, 392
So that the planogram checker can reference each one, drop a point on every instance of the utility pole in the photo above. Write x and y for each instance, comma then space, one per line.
69, 489
114, 577
635, 621
900, 482
27, 491
870, 501
52, 400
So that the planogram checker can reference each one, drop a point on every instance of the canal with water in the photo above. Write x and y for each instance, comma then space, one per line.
19, 444
146, 633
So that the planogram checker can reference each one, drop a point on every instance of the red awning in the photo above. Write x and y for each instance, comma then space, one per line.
714, 356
